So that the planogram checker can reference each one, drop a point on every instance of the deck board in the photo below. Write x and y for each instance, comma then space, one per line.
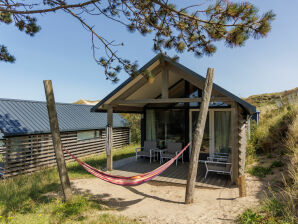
174, 174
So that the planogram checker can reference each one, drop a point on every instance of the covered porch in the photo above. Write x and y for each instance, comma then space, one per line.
168, 96
173, 175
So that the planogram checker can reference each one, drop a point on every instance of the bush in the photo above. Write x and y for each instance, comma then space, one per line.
280, 206
134, 123
250, 217
277, 163
260, 171
273, 128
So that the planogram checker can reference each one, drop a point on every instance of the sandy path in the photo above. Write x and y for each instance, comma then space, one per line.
159, 203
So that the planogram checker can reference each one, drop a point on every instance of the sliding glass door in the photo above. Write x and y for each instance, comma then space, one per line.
217, 132
206, 137
165, 125
222, 131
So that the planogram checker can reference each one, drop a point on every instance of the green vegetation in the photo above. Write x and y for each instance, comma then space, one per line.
261, 171
275, 136
250, 217
271, 211
277, 163
273, 128
134, 123
99, 161
35, 198
266, 99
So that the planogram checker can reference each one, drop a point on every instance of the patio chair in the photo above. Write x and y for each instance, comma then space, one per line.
219, 167
146, 151
219, 157
171, 151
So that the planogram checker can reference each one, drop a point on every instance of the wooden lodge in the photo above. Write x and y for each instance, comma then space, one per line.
169, 101
25, 136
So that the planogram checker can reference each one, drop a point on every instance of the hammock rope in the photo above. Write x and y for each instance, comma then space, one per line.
127, 181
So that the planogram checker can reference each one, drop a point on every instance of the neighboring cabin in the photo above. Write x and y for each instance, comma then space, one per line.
25, 139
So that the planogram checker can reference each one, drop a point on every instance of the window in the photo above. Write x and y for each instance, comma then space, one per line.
222, 131
165, 125
85, 135
1, 143
205, 148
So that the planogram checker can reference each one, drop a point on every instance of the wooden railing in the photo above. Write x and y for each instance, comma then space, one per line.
30, 153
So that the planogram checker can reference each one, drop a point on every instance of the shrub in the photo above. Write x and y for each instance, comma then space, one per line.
260, 171
273, 128
277, 163
280, 206
250, 217
134, 123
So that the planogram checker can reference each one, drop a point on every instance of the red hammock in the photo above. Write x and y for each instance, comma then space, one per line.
127, 181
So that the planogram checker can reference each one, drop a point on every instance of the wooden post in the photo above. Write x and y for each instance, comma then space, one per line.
165, 81
198, 137
235, 143
242, 154
242, 186
110, 139
57, 140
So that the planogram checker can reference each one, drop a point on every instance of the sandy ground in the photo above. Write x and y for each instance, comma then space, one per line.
156, 202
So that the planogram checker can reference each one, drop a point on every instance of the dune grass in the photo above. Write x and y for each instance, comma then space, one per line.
262, 171
276, 136
35, 198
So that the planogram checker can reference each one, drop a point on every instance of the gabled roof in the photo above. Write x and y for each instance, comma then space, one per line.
247, 106
23, 117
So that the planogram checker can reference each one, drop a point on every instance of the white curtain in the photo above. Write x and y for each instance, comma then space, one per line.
150, 125
222, 130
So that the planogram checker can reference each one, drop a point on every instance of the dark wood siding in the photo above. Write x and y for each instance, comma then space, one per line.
30, 153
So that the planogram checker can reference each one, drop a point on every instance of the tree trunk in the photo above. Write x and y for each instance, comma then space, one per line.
57, 140
198, 137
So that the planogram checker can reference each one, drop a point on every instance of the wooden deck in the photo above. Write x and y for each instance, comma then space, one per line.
174, 174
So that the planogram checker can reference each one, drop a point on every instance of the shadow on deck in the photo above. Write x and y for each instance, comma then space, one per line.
174, 174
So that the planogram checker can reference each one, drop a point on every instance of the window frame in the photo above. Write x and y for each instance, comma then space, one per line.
97, 134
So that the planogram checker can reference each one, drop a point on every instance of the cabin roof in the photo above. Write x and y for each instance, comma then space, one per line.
24, 117
250, 109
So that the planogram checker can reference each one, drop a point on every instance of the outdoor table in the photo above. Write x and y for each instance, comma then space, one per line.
157, 153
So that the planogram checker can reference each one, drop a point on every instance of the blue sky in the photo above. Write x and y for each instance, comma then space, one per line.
61, 51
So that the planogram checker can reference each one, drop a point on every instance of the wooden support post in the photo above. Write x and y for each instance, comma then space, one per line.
241, 155
165, 82
198, 137
110, 139
57, 140
242, 186
235, 143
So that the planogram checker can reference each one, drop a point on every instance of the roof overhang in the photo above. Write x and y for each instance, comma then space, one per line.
136, 92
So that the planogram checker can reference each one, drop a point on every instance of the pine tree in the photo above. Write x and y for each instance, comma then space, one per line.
193, 28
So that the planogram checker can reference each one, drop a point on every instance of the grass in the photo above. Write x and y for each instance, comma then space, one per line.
276, 136
271, 211
261, 171
35, 198
99, 161
250, 217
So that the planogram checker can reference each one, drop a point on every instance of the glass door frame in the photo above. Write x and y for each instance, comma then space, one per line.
211, 127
